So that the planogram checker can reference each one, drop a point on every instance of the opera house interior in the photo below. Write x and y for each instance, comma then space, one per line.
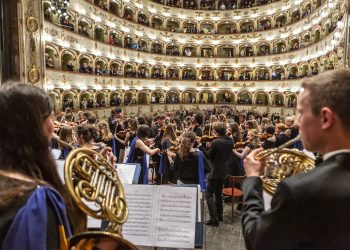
174, 67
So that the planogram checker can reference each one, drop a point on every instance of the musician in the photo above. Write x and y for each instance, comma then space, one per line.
66, 135
115, 123
254, 143
269, 142
187, 165
218, 153
33, 199
104, 134
197, 122
169, 139
138, 151
309, 210
281, 137
157, 133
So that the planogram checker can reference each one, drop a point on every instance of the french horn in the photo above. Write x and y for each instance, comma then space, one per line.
96, 188
282, 163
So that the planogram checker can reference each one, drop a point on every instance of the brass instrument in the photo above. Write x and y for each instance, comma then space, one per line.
91, 179
282, 163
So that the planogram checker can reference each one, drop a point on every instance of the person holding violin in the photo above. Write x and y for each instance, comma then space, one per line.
253, 142
138, 151
66, 135
196, 124
218, 153
268, 138
157, 132
169, 139
116, 125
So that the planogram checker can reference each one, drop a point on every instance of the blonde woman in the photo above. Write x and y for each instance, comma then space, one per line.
253, 143
66, 135
105, 135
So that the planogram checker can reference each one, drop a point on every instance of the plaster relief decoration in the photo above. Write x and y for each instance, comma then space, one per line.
243, 85
207, 85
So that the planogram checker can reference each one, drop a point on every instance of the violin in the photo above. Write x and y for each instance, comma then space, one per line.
122, 134
208, 138
173, 149
265, 135
241, 144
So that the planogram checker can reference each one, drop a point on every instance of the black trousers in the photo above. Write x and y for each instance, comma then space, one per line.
214, 199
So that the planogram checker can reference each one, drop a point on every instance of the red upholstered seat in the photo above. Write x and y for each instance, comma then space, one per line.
233, 192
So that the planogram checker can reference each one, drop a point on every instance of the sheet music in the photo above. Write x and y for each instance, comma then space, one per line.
60, 168
138, 227
161, 216
56, 153
126, 172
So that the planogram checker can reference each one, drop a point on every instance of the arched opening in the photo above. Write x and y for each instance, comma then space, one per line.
281, 21
157, 22
278, 73
263, 49
129, 98
67, 21
129, 42
68, 98
157, 97
207, 28
314, 68
143, 19
114, 8
247, 26
142, 98
316, 35
101, 4
172, 97
100, 34
304, 70
129, 70
227, 28
294, 44
51, 58
244, 98
68, 59
264, 24
115, 98
128, 13
206, 97
224, 97
246, 50
101, 99
115, 38
262, 98
245, 74
86, 100
295, 14
157, 72
189, 74
292, 100
172, 73
305, 40
190, 27
226, 51
86, 65
116, 69
84, 28
262, 74
172, 25
101, 67
143, 45
207, 51
143, 71
279, 47
156, 48
206, 74
293, 72
189, 50
172, 49
188, 97
277, 99
306, 10
226, 74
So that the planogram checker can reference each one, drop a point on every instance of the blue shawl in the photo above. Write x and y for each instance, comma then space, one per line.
144, 160
201, 175
29, 228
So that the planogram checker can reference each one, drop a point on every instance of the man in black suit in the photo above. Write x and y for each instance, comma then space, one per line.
309, 210
218, 153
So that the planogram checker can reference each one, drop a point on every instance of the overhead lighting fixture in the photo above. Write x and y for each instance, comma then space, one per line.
60, 7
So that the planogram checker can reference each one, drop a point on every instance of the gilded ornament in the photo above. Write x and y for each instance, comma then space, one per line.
34, 75
32, 24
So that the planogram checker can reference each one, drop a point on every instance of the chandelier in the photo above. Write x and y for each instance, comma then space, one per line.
60, 7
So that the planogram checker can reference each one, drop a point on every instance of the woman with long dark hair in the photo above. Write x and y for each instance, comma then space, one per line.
32, 195
139, 150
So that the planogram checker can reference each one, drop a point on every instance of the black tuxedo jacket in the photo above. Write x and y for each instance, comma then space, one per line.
308, 211
219, 155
